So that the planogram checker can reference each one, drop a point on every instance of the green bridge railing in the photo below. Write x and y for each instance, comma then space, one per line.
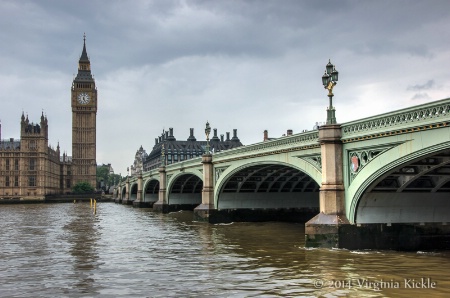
416, 116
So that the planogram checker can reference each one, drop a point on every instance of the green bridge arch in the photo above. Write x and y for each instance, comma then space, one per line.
403, 149
280, 160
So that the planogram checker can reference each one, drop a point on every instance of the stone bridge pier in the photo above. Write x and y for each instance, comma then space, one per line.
206, 211
162, 205
325, 228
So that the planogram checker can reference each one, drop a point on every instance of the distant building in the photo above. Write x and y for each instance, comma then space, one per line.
176, 151
138, 164
30, 168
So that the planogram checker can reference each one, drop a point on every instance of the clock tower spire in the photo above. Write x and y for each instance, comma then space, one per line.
84, 122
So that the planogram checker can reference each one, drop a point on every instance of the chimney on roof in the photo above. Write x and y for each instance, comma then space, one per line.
171, 137
235, 138
266, 135
156, 141
215, 137
166, 135
191, 136
221, 138
289, 132
159, 139
228, 136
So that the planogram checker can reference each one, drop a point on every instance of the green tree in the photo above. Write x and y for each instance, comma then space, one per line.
102, 175
82, 187
105, 177
114, 179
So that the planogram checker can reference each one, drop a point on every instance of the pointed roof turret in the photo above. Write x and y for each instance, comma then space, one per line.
84, 57
84, 66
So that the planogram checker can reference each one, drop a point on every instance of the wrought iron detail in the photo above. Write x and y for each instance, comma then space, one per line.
314, 160
358, 159
218, 172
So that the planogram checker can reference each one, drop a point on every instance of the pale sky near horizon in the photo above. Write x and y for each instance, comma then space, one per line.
249, 65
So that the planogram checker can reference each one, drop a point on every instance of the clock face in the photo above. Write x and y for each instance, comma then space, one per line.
83, 98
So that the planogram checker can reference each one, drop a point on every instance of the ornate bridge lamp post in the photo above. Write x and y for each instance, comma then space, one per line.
207, 132
329, 227
329, 80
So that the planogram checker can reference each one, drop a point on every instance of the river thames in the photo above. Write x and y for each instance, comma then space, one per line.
64, 250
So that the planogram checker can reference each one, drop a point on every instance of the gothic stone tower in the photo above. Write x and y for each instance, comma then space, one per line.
33, 165
84, 123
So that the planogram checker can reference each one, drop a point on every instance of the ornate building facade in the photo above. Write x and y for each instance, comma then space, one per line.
177, 150
31, 169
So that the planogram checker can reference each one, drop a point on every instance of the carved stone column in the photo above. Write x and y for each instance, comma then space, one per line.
323, 230
139, 191
127, 192
162, 204
205, 211
139, 202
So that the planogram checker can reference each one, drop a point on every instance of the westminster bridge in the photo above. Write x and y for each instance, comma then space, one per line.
378, 182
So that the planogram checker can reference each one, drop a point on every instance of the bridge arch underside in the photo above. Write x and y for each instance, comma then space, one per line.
133, 192
151, 191
415, 192
270, 192
123, 193
185, 192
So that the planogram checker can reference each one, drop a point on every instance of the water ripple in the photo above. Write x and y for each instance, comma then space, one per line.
64, 250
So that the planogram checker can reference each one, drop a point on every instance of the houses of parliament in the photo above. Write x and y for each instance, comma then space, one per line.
31, 169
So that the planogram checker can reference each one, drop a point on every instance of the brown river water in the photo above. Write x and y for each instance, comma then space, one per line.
64, 250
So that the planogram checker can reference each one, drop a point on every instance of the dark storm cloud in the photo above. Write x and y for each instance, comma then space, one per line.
156, 32
422, 95
178, 63
428, 85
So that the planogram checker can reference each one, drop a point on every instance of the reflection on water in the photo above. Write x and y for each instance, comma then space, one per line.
81, 234
64, 250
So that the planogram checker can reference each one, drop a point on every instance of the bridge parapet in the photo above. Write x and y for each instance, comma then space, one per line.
402, 121
186, 164
305, 140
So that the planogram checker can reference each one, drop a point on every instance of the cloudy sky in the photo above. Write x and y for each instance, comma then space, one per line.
249, 65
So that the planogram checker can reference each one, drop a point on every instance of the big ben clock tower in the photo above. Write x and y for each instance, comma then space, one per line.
84, 123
